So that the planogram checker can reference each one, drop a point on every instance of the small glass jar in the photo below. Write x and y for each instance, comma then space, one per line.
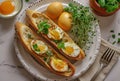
6, 5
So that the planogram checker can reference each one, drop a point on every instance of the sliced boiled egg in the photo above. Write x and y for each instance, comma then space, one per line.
58, 64
71, 49
39, 46
55, 33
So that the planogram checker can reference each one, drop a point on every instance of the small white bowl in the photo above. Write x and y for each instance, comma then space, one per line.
18, 6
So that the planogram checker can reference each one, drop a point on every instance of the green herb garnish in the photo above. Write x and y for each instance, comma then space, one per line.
109, 5
43, 27
113, 36
61, 45
35, 46
57, 41
118, 33
82, 25
118, 1
112, 31
27, 0
29, 36
45, 59
114, 42
49, 54
118, 40
101, 2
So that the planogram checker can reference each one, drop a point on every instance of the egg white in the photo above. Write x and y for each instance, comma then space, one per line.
57, 29
76, 48
39, 43
54, 66
27, 35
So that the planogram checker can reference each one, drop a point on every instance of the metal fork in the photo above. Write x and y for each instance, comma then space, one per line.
104, 61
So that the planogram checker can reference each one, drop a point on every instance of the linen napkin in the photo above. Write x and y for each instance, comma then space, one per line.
92, 70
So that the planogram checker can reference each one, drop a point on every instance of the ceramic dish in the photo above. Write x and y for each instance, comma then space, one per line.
39, 71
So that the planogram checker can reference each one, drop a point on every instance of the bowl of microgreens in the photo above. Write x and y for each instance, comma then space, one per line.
105, 7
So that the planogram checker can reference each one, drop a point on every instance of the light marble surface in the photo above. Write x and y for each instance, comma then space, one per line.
12, 70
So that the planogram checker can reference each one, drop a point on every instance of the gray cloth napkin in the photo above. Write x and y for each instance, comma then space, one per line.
92, 70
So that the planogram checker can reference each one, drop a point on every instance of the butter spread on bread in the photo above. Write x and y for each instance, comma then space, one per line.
43, 52
53, 34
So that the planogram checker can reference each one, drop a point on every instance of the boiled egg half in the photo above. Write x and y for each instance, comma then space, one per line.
58, 64
39, 46
55, 33
71, 49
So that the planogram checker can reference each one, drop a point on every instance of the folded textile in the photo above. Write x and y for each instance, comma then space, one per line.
92, 70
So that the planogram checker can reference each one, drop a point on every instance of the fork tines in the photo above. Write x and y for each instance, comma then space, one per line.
108, 55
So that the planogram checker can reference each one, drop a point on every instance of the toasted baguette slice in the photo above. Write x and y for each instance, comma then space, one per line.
42, 52
55, 35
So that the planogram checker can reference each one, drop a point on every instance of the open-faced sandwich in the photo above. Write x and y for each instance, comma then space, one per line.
42, 51
51, 32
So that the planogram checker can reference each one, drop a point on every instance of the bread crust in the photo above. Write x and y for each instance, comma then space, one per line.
30, 13
18, 27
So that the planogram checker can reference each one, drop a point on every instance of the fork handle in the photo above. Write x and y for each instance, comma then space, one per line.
98, 71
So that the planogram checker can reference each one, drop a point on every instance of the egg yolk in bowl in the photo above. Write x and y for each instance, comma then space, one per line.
7, 7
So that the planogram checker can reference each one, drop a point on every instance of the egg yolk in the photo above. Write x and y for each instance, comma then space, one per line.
69, 49
41, 47
6, 7
55, 34
59, 64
